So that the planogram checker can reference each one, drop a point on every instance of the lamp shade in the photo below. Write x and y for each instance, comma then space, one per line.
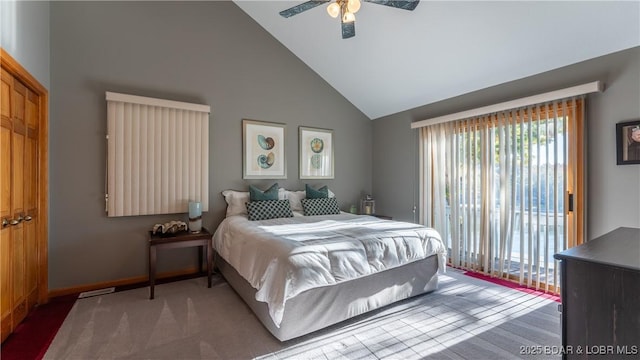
334, 10
348, 17
353, 6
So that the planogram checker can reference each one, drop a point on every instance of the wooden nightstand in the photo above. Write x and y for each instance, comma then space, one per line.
179, 240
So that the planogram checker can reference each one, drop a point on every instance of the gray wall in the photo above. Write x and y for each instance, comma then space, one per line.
24, 34
212, 53
202, 52
613, 193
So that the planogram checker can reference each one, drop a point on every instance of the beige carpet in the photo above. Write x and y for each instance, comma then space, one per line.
466, 318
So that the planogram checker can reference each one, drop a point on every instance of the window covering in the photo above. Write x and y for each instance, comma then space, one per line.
157, 155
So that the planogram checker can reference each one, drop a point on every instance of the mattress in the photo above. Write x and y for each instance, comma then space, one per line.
331, 306
286, 257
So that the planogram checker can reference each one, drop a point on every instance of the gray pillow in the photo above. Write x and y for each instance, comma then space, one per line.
256, 194
312, 193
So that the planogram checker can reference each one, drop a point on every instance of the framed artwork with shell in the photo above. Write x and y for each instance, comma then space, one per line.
316, 153
263, 151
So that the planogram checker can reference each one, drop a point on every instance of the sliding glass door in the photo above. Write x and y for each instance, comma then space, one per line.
501, 189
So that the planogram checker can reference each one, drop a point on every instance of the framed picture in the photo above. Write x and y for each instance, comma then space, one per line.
263, 151
628, 142
316, 153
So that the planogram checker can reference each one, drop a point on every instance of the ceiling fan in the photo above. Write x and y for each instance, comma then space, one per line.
346, 9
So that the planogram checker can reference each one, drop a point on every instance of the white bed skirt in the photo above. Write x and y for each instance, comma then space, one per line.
320, 307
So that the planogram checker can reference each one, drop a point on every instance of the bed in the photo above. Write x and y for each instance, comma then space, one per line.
300, 274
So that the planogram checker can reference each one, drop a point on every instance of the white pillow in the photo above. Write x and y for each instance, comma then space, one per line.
237, 201
295, 198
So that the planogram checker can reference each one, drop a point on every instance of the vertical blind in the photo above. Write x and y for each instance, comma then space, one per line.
157, 155
497, 187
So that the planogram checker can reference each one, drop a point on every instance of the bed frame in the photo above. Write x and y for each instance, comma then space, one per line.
320, 307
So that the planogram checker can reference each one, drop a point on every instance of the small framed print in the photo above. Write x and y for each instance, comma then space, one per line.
263, 150
316, 153
628, 142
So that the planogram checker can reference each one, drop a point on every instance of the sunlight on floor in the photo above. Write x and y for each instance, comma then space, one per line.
455, 314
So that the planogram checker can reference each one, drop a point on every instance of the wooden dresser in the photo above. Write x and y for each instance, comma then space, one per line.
600, 293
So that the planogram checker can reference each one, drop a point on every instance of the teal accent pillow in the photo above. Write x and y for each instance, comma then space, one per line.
312, 193
323, 206
268, 209
256, 194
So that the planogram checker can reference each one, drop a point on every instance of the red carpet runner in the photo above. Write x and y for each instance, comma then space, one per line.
513, 285
32, 337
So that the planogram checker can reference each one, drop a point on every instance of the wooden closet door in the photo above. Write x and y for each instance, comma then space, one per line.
18, 258
18, 205
32, 114
6, 231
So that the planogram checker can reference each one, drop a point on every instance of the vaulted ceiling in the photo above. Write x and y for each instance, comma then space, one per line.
399, 59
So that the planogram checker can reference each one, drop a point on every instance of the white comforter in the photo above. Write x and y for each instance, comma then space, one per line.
283, 257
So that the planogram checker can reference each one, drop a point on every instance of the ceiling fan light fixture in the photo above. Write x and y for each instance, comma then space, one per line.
348, 17
353, 6
333, 9
346, 10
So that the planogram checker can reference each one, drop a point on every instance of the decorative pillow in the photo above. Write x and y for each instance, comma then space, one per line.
312, 193
236, 201
322, 206
256, 194
268, 209
294, 198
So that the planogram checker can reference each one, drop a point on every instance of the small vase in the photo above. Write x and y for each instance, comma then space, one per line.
195, 216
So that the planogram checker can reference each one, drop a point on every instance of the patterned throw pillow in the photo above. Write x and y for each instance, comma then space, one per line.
268, 209
312, 193
256, 194
325, 206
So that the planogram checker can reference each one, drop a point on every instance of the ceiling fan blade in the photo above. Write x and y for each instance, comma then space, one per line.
348, 29
400, 4
302, 7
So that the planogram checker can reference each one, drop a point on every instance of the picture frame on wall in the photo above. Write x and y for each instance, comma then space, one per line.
628, 142
316, 153
263, 150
